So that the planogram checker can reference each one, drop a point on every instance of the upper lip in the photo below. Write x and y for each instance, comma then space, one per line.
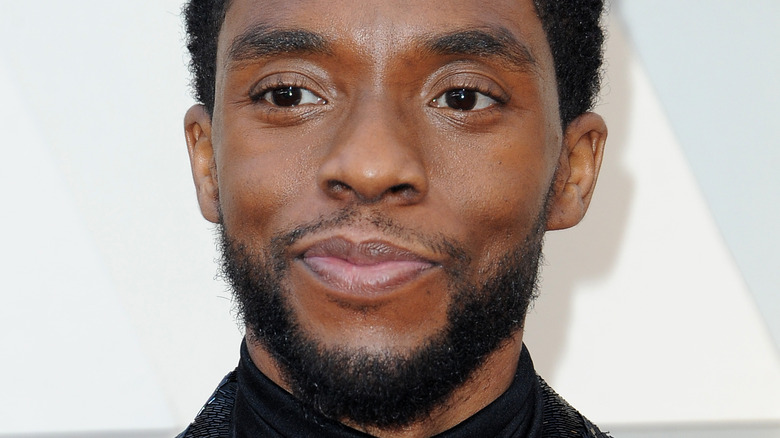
365, 252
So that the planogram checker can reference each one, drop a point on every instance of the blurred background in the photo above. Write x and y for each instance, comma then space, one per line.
659, 315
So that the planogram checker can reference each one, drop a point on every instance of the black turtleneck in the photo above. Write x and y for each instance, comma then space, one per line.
263, 409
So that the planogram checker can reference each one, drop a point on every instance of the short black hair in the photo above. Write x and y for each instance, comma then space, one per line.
573, 29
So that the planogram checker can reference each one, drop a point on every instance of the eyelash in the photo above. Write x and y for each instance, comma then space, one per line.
484, 87
258, 92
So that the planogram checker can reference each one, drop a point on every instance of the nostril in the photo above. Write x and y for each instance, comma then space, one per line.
335, 187
400, 188
405, 190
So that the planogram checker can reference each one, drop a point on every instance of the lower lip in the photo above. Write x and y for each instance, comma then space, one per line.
369, 280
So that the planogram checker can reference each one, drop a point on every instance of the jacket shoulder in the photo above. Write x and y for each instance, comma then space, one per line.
560, 420
213, 420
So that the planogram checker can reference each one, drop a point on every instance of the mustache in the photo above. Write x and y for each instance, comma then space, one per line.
350, 216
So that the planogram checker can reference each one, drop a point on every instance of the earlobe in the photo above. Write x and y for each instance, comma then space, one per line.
197, 130
578, 169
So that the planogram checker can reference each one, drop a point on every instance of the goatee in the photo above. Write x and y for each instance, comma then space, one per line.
384, 389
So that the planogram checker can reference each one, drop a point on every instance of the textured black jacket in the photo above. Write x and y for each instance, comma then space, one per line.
559, 419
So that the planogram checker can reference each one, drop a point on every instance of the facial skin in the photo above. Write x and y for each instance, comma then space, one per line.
374, 137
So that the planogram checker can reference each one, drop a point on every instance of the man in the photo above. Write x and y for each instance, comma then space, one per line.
382, 174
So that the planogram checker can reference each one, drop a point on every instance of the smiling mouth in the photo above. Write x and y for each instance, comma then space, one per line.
366, 269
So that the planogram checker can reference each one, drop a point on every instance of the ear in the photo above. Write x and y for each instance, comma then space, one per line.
578, 168
197, 130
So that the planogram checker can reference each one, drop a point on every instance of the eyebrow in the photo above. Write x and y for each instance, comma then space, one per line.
485, 43
260, 42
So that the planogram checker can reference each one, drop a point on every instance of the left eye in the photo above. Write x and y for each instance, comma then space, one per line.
463, 99
291, 96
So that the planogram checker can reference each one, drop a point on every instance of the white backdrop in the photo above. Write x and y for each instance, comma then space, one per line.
112, 321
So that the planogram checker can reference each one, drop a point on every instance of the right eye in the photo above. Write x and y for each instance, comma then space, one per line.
463, 99
291, 96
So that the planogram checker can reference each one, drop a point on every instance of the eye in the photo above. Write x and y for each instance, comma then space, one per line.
463, 99
291, 96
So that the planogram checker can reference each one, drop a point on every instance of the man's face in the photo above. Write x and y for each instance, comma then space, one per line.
377, 161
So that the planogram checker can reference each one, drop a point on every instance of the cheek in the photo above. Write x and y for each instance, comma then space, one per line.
258, 180
498, 191
508, 206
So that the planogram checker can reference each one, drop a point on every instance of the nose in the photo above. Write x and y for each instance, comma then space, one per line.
374, 159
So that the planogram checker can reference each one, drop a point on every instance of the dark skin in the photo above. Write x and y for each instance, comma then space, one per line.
368, 124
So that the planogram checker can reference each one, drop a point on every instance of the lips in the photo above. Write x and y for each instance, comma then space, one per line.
366, 269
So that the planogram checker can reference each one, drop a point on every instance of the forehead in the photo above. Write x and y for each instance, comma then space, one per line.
382, 29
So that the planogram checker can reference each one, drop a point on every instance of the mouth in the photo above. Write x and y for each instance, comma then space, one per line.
366, 269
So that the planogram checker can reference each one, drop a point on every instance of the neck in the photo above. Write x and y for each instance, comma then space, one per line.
485, 385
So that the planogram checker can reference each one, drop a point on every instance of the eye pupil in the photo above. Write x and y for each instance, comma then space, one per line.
286, 96
462, 99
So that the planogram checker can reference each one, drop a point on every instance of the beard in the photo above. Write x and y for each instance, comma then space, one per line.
384, 388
